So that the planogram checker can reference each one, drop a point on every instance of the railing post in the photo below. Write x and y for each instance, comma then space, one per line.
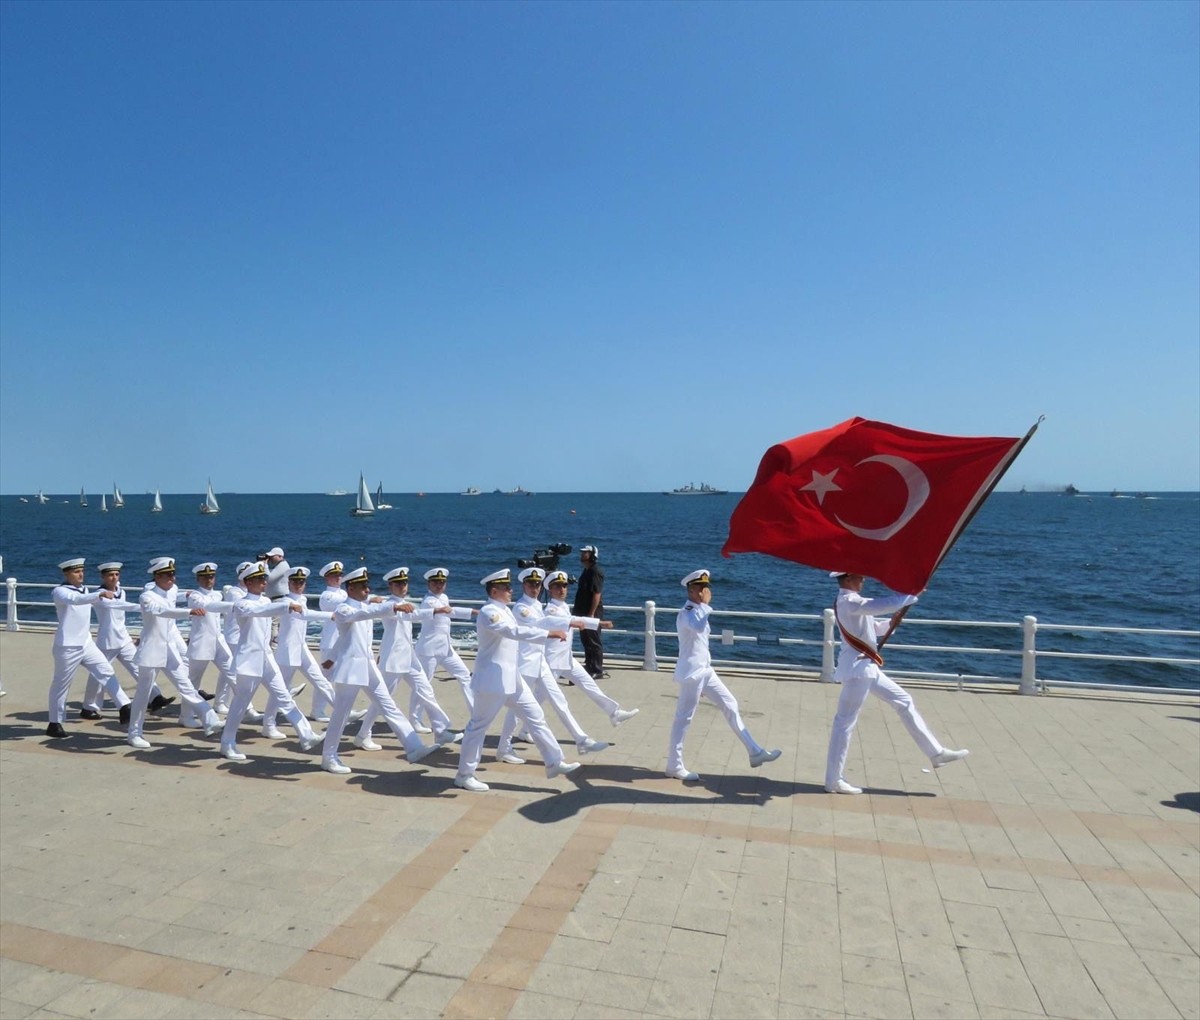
827, 647
650, 651
1029, 655
11, 614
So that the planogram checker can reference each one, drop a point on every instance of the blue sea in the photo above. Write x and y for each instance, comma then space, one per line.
1086, 560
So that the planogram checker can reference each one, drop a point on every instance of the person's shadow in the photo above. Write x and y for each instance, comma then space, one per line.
1184, 801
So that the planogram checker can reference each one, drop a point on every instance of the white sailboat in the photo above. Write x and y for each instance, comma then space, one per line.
82, 498
210, 505
363, 507
156, 506
379, 503
118, 499
42, 497
103, 503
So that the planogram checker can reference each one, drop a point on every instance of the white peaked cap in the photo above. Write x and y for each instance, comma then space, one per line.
78, 561
355, 575
300, 572
161, 563
499, 577
530, 574
332, 567
436, 573
204, 568
252, 570
399, 574
110, 565
557, 577
695, 576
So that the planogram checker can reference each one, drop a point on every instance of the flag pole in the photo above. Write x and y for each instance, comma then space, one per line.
970, 516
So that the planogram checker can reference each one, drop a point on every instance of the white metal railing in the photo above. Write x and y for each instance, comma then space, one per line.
1025, 674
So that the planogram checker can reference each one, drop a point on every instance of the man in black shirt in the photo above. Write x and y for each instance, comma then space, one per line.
589, 601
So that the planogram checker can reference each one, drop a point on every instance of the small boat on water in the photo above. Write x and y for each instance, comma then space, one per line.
41, 497
1070, 490
118, 499
518, 491
703, 489
103, 503
210, 505
363, 507
379, 503
470, 491
82, 498
156, 506
337, 492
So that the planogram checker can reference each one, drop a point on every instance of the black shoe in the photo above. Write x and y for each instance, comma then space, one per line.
158, 702
601, 676
204, 694
89, 713
55, 729
123, 713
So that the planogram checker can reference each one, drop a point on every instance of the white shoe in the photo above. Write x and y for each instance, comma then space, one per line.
684, 775
762, 757
470, 783
223, 711
590, 746
141, 743
295, 691
367, 744
523, 737
357, 714
425, 751
252, 715
945, 757
213, 723
841, 786
336, 767
563, 768
449, 737
510, 759
232, 754
312, 743
320, 718
421, 728
621, 714
272, 733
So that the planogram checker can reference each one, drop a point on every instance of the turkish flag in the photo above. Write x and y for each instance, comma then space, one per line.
869, 498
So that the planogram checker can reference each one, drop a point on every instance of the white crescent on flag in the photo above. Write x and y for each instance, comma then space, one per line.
918, 491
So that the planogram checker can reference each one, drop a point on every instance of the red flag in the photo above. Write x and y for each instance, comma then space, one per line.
868, 497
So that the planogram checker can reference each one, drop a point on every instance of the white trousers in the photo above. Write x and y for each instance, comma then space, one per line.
543, 689
244, 687
93, 696
66, 662
871, 680
175, 671
453, 665
311, 671
706, 684
487, 706
376, 690
226, 675
422, 694
584, 681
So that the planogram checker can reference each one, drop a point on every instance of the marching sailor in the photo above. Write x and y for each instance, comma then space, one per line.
114, 641
206, 642
73, 645
433, 643
497, 684
353, 669
560, 657
292, 652
255, 664
697, 678
161, 649
332, 597
862, 622
396, 660
531, 663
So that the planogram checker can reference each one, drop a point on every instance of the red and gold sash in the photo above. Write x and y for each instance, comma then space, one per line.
864, 650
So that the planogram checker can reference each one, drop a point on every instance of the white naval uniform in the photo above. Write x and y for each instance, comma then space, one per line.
397, 661
354, 670
860, 676
562, 662
206, 643
534, 670
330, 599
255, 664
161, 648
497, 684
434, 648
292, 653
697, 678
114, 641
231, 631
73, 647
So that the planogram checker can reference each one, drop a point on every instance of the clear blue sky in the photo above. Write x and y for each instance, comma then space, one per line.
591, 246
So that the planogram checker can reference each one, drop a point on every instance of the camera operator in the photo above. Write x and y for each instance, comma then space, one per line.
589, 601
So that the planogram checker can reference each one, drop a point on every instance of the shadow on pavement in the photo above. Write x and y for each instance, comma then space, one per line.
1184, 801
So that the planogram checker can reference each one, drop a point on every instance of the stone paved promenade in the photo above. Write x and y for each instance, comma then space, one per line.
1054, 873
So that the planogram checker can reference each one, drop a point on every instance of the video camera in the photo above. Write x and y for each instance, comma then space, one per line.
546, 559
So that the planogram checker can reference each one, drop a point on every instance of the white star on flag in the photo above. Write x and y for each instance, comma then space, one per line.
821, 485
